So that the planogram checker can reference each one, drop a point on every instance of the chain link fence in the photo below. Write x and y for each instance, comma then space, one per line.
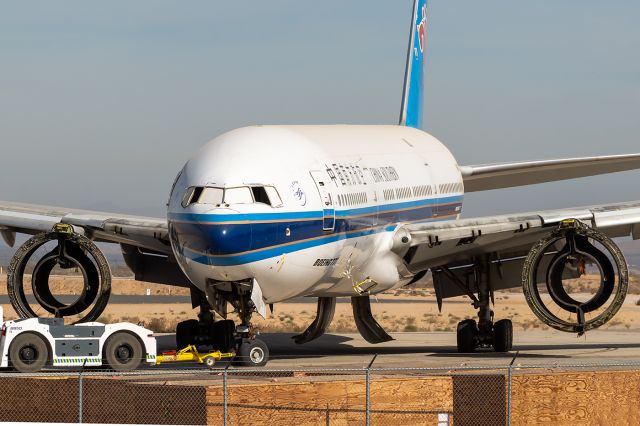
460, 395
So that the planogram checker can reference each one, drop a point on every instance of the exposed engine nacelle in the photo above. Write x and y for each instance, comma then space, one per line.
72, 251
573, 246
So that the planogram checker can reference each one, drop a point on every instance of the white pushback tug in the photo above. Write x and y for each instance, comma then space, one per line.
28, 345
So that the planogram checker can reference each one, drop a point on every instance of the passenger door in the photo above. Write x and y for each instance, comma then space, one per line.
328, 209
431, 178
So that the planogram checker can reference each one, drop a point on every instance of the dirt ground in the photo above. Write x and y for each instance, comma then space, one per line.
407, 310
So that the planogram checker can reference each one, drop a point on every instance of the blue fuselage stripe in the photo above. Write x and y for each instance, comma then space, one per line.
242, 238
280, 216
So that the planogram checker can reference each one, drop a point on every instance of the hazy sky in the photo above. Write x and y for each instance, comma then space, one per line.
101, 103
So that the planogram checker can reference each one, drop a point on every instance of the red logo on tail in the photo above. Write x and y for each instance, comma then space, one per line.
422, 28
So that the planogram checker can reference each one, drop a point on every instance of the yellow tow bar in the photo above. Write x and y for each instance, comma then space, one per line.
190, 353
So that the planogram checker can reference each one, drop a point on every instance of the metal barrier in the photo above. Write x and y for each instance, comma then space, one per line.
462, 395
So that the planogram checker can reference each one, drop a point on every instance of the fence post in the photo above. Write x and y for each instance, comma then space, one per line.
225, 392
327, 417
510, 387
80, 387
368, 391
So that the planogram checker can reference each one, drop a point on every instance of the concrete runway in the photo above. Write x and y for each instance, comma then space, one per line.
437, 350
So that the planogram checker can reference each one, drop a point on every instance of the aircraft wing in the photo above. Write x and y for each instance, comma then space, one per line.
495, 176
143, 232
507, 238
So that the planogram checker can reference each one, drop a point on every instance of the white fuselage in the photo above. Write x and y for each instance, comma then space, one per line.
341, 190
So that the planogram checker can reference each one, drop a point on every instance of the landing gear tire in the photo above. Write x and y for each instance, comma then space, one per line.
28, 353
123, 352
252, 353
186, 332
466, 336
503, 335
223, 335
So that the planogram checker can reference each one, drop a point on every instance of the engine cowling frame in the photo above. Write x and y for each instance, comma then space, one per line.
580, 233
73, 250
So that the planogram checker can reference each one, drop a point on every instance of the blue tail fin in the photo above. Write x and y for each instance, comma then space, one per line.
412, 97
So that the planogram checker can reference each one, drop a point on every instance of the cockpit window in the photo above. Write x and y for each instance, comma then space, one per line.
237, 195
266, 195
274, 197
191, 195
260, 194
211, 196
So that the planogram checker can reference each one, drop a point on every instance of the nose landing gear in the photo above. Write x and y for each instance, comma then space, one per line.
224, 335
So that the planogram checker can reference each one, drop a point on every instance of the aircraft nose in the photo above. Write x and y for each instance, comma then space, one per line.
215, 236
229, 238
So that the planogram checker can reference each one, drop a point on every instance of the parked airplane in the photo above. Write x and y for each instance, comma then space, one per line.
358, 210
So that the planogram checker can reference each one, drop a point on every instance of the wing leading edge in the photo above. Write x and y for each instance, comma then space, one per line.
144, 232
510, 236
496, 176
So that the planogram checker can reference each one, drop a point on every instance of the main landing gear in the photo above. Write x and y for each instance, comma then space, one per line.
483, 333
470, 338
224, 335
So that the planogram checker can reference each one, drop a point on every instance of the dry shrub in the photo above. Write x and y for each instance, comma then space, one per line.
162, 325
431, 319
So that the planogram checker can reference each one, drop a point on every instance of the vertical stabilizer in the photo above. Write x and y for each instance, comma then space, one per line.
412, 96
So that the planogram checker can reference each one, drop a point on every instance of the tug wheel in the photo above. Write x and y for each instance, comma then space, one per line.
28, 353
123, 352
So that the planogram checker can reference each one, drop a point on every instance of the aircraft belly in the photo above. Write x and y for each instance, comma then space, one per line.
362, 265
327, 269
345, 267
296, 273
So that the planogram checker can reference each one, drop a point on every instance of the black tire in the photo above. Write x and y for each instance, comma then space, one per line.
223, 335
123, 351
28, 353
503, 336
252, 353
466, 336
186, 332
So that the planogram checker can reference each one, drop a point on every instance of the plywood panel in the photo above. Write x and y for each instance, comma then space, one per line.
580, 398
339, 402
